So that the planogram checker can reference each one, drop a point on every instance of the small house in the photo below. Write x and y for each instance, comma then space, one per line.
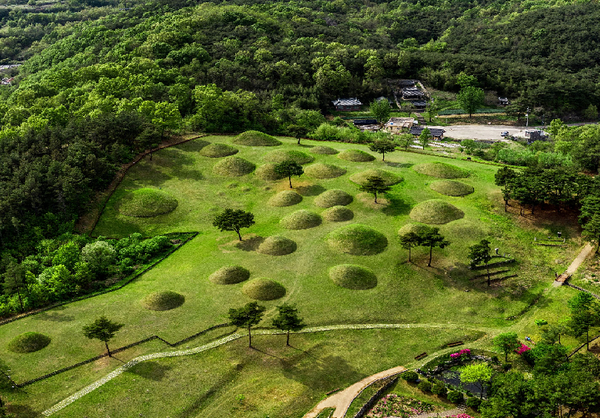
347, 105
397, 125
535, 136
436, 133
419, 104
503, 101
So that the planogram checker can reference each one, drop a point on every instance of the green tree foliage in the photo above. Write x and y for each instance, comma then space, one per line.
287, 319
246, 316
481, 253
506, 342
102, 329
409, 241
15, 281
234, 220
589, 219
470, 99
288, 169
404, 140
431, 238
374, 185
381, 110
99, 255
297, 131
585, 313
479, 373
382, 147
424, 137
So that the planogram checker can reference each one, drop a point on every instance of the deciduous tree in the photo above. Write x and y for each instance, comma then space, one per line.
481, 253
382, 147
374, 185
246, 316
288, 320
288, 169
234, 220
506, 343
102, 329
470, 99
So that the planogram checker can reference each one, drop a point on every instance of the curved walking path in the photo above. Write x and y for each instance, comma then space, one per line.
341, 401
90, 388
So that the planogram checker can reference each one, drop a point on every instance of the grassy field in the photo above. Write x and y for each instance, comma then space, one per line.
404, 293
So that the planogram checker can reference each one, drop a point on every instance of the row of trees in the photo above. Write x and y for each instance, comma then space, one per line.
287, 319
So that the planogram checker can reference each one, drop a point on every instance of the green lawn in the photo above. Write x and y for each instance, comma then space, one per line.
274, 380
405, 293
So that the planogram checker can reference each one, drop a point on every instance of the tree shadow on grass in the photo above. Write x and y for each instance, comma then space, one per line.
396, 206
250, 243
22, 411
200, 402
150, 370
193, 146
54, 316
320, 373
398, 165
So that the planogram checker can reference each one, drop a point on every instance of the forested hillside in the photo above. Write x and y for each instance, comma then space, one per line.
102, 81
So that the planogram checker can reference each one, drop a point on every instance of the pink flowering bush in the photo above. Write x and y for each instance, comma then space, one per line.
465, 352
522, 349
399, 406
459, 416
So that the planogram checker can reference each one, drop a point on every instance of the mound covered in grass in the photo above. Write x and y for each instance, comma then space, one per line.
285, 198
277, 245
230, 275
218, 150
301, 219
451, 188
324, 171
28, 342
233, 167
356, 156
163, 301
436, 212
267, 172
357, 240
146, 203
389, 178
263, 289
256, 139
353, 277
321, 150
333, 197
415, 228
466, 229
279, 156
441, 170
338, 214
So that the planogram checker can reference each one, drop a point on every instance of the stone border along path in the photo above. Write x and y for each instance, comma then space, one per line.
90, 388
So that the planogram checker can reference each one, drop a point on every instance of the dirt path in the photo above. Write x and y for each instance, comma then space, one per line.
341, 401
581, 257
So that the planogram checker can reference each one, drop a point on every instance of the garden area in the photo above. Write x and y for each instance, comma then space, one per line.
323, 245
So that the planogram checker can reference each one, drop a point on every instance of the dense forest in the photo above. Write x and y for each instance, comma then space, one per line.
103, 80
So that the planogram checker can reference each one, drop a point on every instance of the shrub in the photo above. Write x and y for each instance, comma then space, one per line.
439, 389
474, 403
455, 397
99, 255
424, 386
410, 376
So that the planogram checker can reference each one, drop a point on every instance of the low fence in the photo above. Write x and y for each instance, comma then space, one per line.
118, 350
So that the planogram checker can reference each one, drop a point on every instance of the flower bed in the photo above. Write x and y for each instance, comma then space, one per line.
522, 349
459, 416
465, 352
399, 406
